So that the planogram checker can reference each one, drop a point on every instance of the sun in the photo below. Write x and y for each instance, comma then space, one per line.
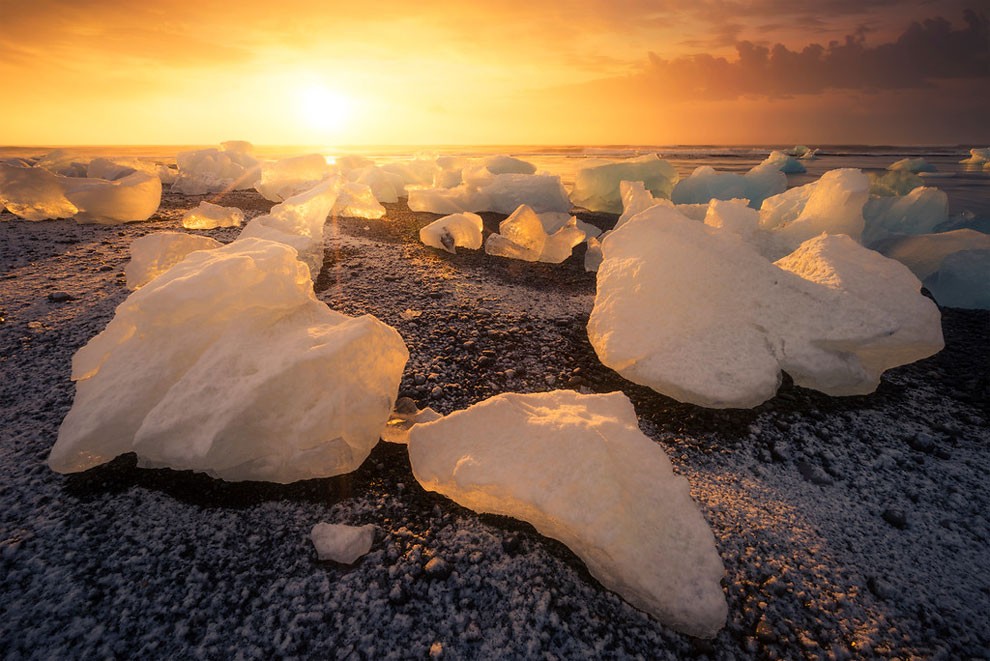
323, 109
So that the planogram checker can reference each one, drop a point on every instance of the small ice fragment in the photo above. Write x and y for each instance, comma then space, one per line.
342, 543
209, 216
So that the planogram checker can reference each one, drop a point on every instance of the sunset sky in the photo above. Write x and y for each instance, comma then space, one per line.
501, 72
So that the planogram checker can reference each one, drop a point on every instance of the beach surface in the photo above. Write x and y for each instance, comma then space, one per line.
849, 527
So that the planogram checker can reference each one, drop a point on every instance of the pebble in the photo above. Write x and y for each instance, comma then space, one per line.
895, 517
437, 567
60, 297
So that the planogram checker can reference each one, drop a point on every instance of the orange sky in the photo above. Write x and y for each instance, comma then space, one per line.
501, 72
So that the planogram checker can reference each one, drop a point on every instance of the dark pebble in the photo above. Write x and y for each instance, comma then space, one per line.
512, 544
895, 517
60, 297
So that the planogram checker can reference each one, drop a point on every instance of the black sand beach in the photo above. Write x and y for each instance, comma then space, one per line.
849, 527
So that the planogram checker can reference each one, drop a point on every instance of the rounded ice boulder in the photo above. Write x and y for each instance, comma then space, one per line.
578, 469
228, 364
697, 313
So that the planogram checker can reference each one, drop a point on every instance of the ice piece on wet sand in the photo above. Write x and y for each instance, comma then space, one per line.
597, 187
523, 236
912, 165
919, 212
456, 230
342, 543
228, 364
202, 171
34, 193
698, 314
209, 216
298, 222
287, 177
978, 156
387, 187
131, 198
500, 193
705, 183
579, 470
833, 204
115, 168
962, 280
924, 253
355, 200
153, 254
785, 162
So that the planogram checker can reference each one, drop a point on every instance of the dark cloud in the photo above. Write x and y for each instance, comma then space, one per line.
926, 52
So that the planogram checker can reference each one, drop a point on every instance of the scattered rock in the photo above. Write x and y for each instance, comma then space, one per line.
895, 517
61, 297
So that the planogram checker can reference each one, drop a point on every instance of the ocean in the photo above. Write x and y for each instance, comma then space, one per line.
967, 186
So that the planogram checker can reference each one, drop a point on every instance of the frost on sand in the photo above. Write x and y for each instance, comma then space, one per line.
697, 313
229, 365
578, 468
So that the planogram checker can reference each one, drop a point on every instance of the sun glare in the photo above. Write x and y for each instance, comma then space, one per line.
323, 109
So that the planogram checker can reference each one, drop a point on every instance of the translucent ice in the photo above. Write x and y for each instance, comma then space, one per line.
134, 197
228, 364
115, 168
924, 253
62, 162
34, 193
203, 171
385, 186
785, 163
453, 231
706, 184
287, 177
500, 193
523, 236
340, 543
597, 187
209, 216
918, 212
802, 152
833, 204
579, 470
978, 156
696, 313
299, 222
962, 280
356, 200
912, 165
153, 254
894, 182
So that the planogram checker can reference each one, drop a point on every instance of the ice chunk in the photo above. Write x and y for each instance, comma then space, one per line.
597, 187
978, 156
522, 236
579, 470
63, 163
705, 183
287, 177
695, 313
918, 212
385, 186
340, 543
228, 364
351, 162
924, 253
115, 168
635, 198
458, 199
803, 152
298, 222
456, 230
34, 193
208, 216
894, 182
785, 163
356, 200
962, 280
166, 174
134, 197
912, 165
414, 172
540, 192
833, 204
203, 171
734, 216
153, 254
593, 256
